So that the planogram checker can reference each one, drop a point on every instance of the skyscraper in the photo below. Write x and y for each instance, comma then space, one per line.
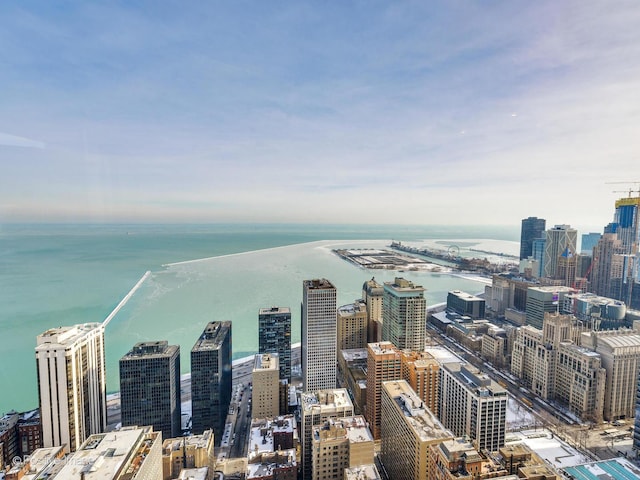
472, 404
408, 430
266, 389
383, 364
319, 335
315, 408
150, 387
211, 379
372, 293
71, 384
532, 228
404, 312
617, 269
352, 326
274, 336
559, 239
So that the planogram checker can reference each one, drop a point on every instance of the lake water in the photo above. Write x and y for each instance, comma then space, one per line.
53, 275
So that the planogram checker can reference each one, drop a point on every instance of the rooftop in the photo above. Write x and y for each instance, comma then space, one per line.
274, 310
157, 349
261, 434
105, 456
213, 336
194, 473
362, 472
617, 468
266, 361
318, 284
354, 354
198, 441
620, 341
423, 422
326, 399
354, 429
352, 308
66, 336
383, 348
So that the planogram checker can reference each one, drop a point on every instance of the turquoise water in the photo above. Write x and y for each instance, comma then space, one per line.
52, 275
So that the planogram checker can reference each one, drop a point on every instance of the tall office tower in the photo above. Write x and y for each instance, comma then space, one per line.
318, 335
131, 453
274, 336
408, 430
558, 239
541, 300
383, 363
71, 384
266, 386
532, 228
588, 241
421, 371
352, 326
211, 379
404, 313
620, 354
372, 293
539, 245
150, 387
472, 404
607, 265
338, 444
316, 407
621, 258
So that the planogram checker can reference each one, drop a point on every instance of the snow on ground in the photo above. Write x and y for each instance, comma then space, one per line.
550, 448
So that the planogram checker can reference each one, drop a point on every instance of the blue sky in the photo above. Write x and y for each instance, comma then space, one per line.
339, 111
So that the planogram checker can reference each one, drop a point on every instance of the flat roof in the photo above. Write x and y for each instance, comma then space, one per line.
65, 336
547, 446
212, 336
362, 472
266, 361
355, 429
261, 434
103, 456
156, 349
326, 399
199, 441
617, 468
352, 354
274, 310
422, 420
383, 348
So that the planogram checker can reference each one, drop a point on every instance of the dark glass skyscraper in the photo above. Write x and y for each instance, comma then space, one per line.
211, 379
532, 228
150, 387
274, 336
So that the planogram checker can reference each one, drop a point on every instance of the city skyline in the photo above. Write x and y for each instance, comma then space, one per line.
253, 112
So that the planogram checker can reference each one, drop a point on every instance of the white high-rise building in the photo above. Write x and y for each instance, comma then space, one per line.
474, 405
319, 334
71, 384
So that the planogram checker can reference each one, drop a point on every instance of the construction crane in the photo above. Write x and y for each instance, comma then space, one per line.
630, 191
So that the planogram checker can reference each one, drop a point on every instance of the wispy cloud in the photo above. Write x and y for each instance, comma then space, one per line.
463, 111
